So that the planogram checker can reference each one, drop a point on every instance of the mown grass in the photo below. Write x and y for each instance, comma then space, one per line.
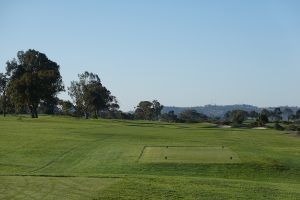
101, 157
188, 154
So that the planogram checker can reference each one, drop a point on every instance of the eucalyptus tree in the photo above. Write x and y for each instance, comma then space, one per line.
262, 119
170, 117
90, 96
192, 116
33, 78
236, 116
157, 108
3, 83
277, 114
144, 110
148, 110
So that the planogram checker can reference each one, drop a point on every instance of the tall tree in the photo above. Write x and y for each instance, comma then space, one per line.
67, 107
147, 110
48, 107
33, 78
265, 112
227, 115
192, 116
237, 116
277, 114
262, 119
169, 117
157, 108
144, 110
253, 114
3, 83
90, 96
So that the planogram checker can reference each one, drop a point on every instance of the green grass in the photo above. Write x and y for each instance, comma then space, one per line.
25, 187
67, 158
190, 154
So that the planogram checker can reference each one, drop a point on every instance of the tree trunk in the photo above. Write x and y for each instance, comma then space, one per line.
4, 104
96, 114
35, 113
31, 111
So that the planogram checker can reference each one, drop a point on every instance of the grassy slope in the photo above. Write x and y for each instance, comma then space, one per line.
50, 147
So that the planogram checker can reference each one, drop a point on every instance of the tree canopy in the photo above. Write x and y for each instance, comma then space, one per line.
169, 117
33, 79
277, 114
3, 81
147, 110
236, 116
192, 116
3, 97
262, 119
90, 96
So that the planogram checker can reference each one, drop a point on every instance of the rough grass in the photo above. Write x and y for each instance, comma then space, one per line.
50, 157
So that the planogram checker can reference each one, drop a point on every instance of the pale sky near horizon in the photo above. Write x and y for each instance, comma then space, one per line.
180, 52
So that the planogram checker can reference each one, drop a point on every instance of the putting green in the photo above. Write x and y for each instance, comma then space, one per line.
190, 154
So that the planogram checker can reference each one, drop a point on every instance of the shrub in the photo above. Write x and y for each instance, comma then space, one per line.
292, 127
253, 124
277, 126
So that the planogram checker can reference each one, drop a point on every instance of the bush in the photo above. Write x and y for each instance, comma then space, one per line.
253, 124
286, 123
227, 123
278, 127
297, 122
292, 127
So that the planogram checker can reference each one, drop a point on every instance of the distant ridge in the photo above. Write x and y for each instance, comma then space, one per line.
220, 110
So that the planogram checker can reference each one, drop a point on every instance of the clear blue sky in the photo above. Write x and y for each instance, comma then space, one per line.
183, 53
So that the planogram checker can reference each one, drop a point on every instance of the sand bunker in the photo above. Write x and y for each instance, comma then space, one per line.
260, 128
224, 126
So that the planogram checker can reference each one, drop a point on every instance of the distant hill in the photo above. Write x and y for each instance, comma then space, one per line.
220, 110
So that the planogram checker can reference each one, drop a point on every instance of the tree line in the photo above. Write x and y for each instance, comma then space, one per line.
32, 82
